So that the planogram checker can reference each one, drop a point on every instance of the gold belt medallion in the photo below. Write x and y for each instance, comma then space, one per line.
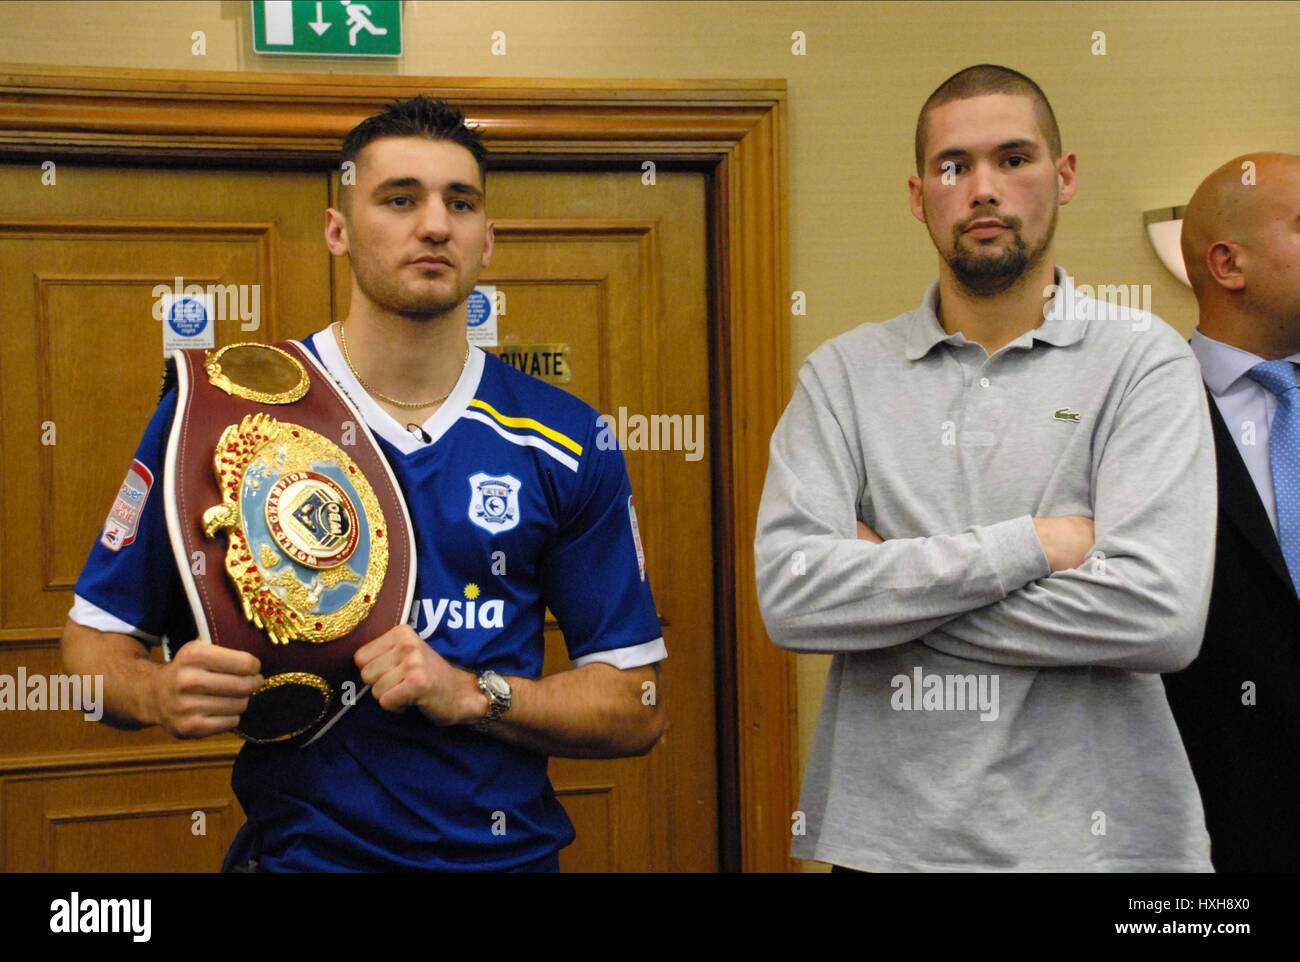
307, 541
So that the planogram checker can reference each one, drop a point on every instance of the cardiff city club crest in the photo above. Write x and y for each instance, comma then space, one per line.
494, 501
307, 542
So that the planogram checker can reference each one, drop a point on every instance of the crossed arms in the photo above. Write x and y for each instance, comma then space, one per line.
1138, 600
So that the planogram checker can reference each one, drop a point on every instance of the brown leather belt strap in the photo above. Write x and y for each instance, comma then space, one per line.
204, 412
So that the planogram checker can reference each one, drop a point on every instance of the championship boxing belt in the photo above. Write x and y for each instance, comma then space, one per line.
290, 533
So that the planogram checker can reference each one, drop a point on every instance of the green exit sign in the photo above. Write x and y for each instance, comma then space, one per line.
328, 28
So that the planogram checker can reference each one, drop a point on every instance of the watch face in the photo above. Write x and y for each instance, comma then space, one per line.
497, 684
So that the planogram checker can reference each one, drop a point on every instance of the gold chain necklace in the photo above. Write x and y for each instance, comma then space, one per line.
411, 405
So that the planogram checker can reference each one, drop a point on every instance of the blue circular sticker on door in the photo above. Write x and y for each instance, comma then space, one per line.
187, 317
478, 308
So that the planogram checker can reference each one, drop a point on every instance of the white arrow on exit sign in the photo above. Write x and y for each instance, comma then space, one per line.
320, 25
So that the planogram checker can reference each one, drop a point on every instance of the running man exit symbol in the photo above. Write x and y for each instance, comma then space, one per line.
365, 28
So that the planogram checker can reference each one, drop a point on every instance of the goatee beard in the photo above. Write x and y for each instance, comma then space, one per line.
985, 276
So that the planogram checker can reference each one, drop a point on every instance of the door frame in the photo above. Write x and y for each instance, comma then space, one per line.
733, 131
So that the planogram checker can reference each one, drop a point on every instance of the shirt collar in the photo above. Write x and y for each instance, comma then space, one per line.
383, 423
1223, 364
1060, 326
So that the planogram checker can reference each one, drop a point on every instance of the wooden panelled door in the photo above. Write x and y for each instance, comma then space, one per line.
613, 268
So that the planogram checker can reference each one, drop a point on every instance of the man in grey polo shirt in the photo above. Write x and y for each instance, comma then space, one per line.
998, 512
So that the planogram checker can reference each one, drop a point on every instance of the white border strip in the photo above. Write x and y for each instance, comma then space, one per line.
524, 440
88, 613
633, 656
174, 532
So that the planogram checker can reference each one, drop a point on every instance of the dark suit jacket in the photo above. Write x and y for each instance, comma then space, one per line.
1246, 758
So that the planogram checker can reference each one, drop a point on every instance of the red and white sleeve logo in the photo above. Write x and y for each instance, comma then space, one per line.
123, 521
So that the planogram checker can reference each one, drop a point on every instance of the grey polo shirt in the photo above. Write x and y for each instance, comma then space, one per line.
982, 713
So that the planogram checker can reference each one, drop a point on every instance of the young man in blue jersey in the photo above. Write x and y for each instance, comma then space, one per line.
443, 765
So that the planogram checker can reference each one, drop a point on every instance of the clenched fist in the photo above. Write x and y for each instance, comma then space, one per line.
403, 670
204, 689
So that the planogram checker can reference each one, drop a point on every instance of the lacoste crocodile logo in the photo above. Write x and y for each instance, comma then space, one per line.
1065, 414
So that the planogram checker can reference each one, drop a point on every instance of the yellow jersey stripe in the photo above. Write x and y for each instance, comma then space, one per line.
538, 426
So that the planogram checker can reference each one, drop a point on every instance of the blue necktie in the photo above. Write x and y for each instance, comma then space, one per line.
1284, 452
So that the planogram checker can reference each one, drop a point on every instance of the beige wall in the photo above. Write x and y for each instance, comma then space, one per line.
1181, 88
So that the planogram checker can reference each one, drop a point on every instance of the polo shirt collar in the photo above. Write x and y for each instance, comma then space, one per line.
1060, 326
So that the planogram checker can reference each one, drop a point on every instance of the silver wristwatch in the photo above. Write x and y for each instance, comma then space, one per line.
498, 693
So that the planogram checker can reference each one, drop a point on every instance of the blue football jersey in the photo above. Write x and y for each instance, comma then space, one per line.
516, 508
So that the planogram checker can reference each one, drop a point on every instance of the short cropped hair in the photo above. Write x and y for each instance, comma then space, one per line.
416, 117
982, 79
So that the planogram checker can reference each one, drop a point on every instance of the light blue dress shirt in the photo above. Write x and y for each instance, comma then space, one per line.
1242, 402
